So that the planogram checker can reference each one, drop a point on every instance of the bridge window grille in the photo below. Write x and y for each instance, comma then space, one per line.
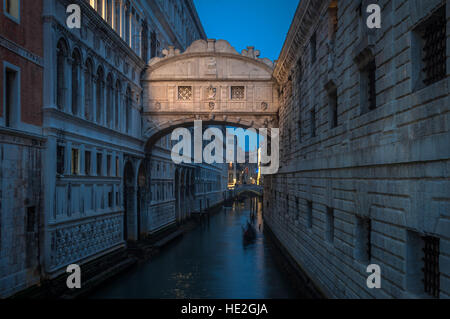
434, 49
237, 92
185, 93
431, 274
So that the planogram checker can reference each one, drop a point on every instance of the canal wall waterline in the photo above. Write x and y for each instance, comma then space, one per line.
97, 272
293, 269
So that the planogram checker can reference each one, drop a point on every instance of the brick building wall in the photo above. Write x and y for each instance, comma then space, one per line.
370, 185
26, 35
21, 143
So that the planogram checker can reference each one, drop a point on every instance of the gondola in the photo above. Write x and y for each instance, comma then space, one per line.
249, 233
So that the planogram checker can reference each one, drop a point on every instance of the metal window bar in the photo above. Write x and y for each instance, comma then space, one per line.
434, 50
431, 274
372, 94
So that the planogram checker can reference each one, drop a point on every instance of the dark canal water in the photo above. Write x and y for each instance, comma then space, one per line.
209, 261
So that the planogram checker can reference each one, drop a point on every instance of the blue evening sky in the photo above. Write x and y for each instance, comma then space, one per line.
259, 23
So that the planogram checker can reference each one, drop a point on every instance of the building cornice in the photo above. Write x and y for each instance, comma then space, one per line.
306, 16
109, 35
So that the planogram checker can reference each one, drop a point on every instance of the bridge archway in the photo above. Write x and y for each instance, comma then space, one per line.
210, 82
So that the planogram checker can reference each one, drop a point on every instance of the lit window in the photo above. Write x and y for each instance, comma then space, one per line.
12, 8
75, 164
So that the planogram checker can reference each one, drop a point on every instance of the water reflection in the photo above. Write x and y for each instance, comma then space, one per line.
210, 261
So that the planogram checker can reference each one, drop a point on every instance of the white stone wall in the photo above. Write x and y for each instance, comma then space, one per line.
390, 165
93, 200
20, 207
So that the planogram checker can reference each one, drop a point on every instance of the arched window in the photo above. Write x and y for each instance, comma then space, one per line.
61, 62
109, 100
100, 88
128, 103
88, 91
117, 104
76, 70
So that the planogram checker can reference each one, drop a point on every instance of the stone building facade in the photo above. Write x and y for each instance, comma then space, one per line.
74, 98
364, 118
21, 144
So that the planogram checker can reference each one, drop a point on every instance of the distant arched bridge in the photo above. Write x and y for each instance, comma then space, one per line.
248, 188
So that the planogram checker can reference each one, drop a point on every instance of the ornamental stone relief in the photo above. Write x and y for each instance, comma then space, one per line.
73, 243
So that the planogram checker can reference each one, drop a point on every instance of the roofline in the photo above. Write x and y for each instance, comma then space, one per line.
191, 6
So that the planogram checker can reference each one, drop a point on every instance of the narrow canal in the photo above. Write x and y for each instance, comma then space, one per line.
209, 261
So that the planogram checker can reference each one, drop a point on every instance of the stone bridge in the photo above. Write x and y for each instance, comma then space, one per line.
211, 82
248, 188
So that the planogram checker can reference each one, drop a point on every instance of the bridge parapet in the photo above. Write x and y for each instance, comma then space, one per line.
256, 189
212, 82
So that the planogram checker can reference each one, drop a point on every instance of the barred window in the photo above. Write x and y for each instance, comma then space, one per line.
434, 49
368, 87
237, 92
372, 97
363, 243
185, 93
431, 274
